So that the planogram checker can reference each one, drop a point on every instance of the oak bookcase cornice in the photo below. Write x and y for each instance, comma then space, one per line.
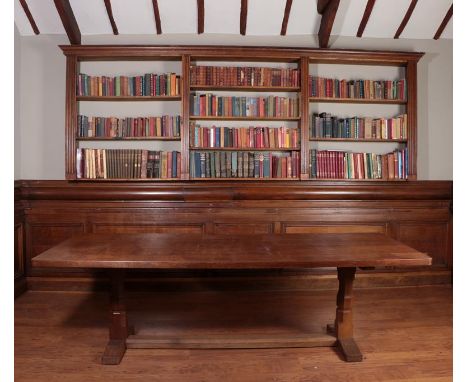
376, 57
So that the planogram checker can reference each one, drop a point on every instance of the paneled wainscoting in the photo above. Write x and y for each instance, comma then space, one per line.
419, 213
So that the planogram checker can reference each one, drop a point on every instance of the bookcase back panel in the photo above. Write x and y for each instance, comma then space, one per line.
139, 145
122, 109
128, 68
344, 110
242, 63
357, 72
367, 147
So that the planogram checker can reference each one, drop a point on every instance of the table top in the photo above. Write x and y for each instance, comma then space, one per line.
205, 251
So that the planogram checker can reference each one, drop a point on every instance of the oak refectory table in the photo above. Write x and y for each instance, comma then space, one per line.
118, 252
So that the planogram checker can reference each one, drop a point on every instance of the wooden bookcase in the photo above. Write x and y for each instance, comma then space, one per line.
236, 56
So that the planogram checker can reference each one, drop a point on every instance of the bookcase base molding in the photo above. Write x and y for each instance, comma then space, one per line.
417, 213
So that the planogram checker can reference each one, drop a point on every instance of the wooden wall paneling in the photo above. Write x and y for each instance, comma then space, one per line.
42, 236
251, 228
429, 237
58, 209
70, 117
437, 192
334, 228
19, 260
19, 243
19, 251
142, 228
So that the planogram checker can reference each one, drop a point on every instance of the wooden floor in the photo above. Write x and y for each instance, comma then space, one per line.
404, 333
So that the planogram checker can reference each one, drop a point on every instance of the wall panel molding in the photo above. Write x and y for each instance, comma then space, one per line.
415, 212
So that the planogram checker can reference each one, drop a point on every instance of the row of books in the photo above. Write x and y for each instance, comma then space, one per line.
127, 164
363, 89
244, 164
243, 76
147, 85
324, 125
329, 164
271, 106
243, 137
113, 127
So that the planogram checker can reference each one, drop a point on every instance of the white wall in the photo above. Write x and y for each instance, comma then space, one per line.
39, 120
17, 135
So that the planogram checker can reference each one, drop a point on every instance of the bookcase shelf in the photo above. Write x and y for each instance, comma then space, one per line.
243, 149
246, 179
358, 100
360, 180
271, 89
375, 140
129, 98
130, 180
186, 57
221, 118
117, 139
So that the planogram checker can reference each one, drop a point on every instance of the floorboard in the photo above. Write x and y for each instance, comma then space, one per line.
405, 334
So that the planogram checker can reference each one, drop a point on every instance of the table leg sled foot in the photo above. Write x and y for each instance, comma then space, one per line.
350, 350
114, 352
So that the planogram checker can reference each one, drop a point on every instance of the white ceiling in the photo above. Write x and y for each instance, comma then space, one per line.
222, 17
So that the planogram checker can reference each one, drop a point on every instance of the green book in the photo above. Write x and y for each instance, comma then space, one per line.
117, 86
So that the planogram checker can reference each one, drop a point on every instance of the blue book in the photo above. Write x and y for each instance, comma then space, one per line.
174, 164
266, 164
197, 165
196, 136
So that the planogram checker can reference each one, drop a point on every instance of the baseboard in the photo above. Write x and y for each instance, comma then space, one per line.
364, 279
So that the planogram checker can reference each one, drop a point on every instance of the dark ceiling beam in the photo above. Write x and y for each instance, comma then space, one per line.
321, 5
201, 16
243, 17
287, 10
69, 21
365, 17
444, 23
157, 17
405, 20
328, 11
108, 5
29, 16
